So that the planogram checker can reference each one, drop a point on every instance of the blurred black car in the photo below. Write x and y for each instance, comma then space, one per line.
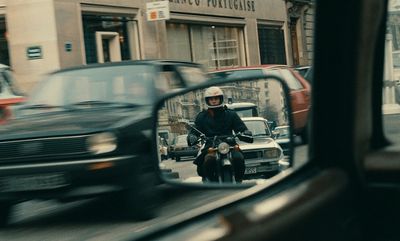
86, 131
179, 148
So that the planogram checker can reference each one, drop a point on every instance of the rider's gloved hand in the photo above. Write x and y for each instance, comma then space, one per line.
247, 133
192, 139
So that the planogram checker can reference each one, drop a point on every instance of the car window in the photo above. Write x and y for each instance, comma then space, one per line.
192, 75
132, 84
391, 82
258, 128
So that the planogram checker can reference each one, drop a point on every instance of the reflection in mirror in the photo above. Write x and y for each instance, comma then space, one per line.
236, 132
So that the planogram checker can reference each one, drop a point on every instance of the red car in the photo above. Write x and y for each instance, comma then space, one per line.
300, 90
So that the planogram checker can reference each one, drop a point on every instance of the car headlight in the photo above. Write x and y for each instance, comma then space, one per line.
272, 153
223, 148
102, 143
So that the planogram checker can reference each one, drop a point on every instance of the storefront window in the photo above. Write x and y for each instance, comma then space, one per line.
213, 46
104, 24
4, 57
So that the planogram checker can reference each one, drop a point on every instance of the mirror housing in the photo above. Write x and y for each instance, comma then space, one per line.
181, 120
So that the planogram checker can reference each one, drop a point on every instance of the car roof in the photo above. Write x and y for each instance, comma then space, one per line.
131, 62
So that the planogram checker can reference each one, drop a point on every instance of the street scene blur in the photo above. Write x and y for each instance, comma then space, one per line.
80, 81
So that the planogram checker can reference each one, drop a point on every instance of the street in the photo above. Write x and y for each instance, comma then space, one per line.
97, 219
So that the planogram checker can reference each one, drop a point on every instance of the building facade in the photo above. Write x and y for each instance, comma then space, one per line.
40, 36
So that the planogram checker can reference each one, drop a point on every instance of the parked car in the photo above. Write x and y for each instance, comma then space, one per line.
264, 157
86, 131
180, 148
300, 90
9, 93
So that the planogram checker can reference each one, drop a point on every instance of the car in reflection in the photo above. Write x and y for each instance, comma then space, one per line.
300, 90
282, 137
10, 95
180, 149
264, 157
86, 131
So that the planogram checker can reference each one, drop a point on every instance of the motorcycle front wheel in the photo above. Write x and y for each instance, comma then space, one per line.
227, 174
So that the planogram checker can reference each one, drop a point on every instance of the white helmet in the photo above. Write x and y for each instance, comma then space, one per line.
214, 92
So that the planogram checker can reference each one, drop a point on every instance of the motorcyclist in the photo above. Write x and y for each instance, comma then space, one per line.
216, 120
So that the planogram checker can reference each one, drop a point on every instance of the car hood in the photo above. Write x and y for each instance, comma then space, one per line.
259, 143
71, 122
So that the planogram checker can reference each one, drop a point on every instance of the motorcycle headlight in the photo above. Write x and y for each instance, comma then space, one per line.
223, 148
272, 153
102, 143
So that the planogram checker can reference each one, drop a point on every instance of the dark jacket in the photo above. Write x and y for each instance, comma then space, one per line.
218, 121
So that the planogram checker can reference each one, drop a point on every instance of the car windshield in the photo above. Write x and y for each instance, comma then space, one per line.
125, 85
258, 128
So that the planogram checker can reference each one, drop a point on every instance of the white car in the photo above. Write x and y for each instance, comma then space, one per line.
264, 157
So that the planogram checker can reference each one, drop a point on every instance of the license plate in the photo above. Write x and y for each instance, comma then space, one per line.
250, 170
32, 182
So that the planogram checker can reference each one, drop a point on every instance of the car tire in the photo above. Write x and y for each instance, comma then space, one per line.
177, 158
139, 201
227, 174
5, 213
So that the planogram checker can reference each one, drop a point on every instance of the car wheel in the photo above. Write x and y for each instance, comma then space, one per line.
227, 174
178, 158
5, 212
139, 201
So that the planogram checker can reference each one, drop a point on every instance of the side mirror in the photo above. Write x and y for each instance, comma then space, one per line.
262, 156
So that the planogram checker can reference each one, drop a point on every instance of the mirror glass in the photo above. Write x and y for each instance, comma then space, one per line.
243, 137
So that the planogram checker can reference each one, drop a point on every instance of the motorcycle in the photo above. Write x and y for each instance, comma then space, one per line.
221, 148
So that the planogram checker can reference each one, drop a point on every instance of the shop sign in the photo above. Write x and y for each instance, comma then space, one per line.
34, 52
157, 10
237, 5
